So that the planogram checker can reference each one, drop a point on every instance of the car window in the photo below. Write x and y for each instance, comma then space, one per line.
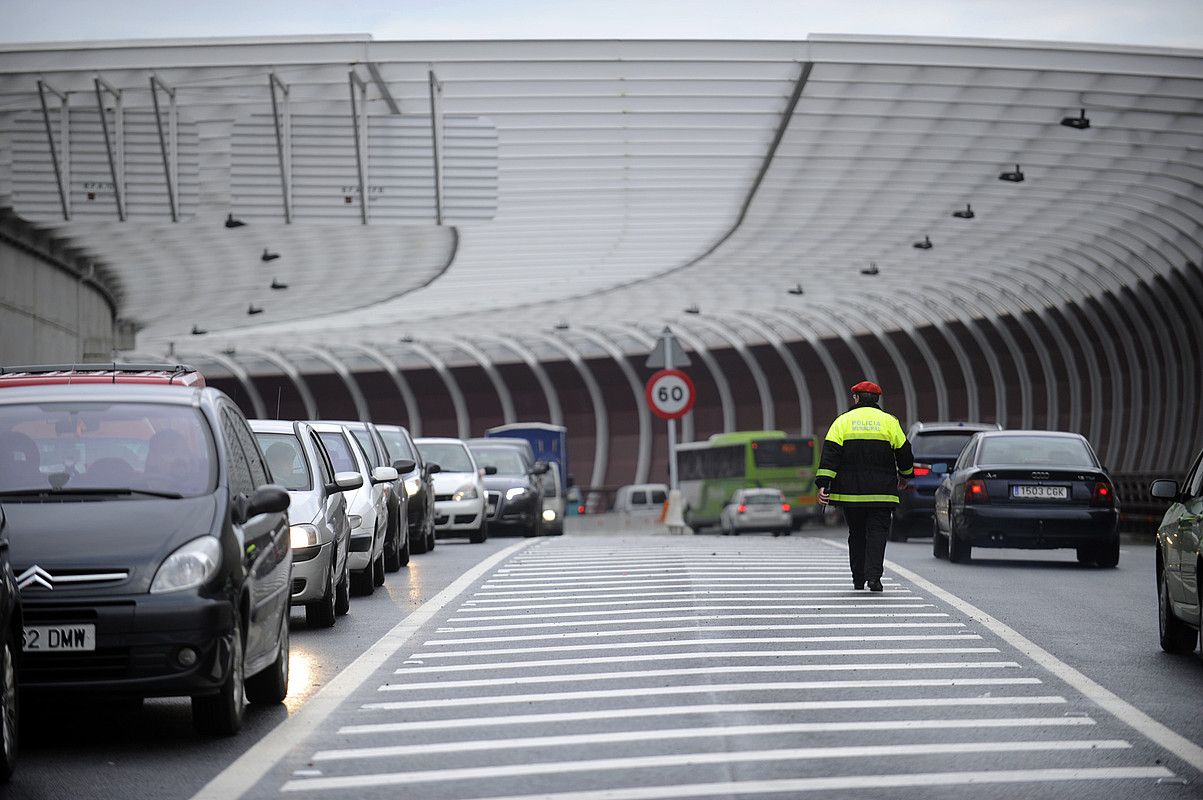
658, 497
323, 461
1036, 450
1193, 485
966, 456
507, 460
139, 446
398, 446
241, 481
364, 439
450, 456
639, 498
340, 451
286, 460
246, 440
763, 498
940, 444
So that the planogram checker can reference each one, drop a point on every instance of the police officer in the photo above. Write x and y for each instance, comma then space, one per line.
866, 461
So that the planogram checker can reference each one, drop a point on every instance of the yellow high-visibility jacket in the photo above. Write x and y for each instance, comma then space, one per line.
864, 453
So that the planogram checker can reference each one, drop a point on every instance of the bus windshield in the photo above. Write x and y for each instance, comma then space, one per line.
783, 452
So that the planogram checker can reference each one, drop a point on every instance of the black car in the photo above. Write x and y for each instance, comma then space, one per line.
396, 542
1027, 489
152, 552
514, 492
11, 628
933, 443
418, 486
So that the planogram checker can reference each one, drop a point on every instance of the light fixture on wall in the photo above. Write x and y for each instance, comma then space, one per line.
1012, 177
233, 223
967, 213
871, 269
268, 256
253, 309
277, 284
693, 309
1078, 123
197, 330
561, 326
924, 245
797, 290
406, 339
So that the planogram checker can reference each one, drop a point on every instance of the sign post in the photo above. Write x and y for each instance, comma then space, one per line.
670, 395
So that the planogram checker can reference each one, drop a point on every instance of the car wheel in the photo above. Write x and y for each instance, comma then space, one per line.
392, 549
378, 570
9, 705
939, 543
479, 535
342, 593
1106, 555
1176, 636
1085, 555
959, 552
362, 584
271, 685
221, 714
320, 613
431, 536
417, 538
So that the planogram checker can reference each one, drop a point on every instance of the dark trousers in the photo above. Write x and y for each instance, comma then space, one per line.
868, 529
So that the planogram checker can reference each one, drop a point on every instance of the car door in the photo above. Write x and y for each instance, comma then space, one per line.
1186, 540
334, 506
267, 556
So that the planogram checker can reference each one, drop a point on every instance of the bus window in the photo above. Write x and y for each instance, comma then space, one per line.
638, 498
783, 452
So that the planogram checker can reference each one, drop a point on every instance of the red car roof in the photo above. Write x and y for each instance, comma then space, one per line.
173, 374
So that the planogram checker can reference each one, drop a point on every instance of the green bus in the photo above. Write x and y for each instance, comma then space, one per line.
709, 472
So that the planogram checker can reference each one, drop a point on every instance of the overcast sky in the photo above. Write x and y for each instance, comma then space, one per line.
1177, 23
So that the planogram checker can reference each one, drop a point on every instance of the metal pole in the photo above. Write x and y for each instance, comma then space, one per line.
436, 125
355, 81
108, 148
672, 423
272, 80
154, 95
58, 175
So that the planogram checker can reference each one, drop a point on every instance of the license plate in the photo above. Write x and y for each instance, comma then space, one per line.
1040, 492
43, 638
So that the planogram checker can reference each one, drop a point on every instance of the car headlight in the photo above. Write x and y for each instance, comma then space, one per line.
303, 535
549, 515
517, 491
188, 567
465, 492
413, 486
354, 520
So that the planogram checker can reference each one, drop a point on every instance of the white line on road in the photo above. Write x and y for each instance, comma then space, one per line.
762, 594
665, 734
805, 626
581, 623
855, 783
719, 586
565, 614
696, 759
253, 764
595, 694
864, 683
858, 601
1122, 710
775, 575
713, 708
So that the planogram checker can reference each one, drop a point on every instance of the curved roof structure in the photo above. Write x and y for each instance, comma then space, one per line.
466, 192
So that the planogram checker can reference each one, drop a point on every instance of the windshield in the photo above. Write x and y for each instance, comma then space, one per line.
339, 450
783, 452
940, 445
76, 447
1061, 451
398, 445
285, 460
450, 456
763, 498
507, 460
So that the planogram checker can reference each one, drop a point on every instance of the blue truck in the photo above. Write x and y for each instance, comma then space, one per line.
550, 443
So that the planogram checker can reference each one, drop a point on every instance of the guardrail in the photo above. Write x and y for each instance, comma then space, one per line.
1140, 512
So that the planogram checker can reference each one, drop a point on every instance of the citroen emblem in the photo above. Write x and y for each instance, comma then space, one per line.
35, 574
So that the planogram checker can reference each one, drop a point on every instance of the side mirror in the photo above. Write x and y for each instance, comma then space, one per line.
1164, 489
939, 468
268, 499
346, 481
540, 468
404, 465
489, 470
433, 469
384, 475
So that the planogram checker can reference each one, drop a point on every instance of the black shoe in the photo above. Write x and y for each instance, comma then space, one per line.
875, 586
857, 584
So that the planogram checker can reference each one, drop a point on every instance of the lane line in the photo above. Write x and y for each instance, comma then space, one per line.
471, 605
256, 761
696, 759
564, 614
863, 683
719, 587
570, 580
802, 626
711, 708
628, 659
689, 592
859, 783
596, 694
665, 734
1122, 710
581, 623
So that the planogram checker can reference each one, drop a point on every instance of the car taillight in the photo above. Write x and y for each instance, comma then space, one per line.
921, 471
785, 506
580, 509
1103, 495
975, 492
742, 508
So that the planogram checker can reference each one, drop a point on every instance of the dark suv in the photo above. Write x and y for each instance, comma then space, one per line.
151, 551
933, 443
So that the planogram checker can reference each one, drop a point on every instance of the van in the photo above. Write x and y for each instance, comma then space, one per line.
641, 498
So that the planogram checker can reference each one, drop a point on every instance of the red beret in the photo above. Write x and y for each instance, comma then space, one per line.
867, 387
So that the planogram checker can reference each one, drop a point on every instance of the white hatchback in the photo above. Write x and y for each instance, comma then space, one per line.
756, 510
459, 492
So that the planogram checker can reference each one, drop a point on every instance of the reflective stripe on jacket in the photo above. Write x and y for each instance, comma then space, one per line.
864, 453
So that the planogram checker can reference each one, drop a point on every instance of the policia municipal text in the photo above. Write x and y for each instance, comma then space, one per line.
866, 461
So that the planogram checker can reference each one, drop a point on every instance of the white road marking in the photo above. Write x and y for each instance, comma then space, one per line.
860, 600
717, 731
805, 626
716, 586
630, 659
761, 594
581, 623
564, 614
773, 575
693, 710
256, 761
741, 669
1122, 710
599, 694
609, 646
856, 783
695, 759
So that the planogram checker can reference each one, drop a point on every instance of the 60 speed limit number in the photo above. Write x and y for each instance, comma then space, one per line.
670, 394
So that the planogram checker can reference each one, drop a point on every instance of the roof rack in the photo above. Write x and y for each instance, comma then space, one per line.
109, 366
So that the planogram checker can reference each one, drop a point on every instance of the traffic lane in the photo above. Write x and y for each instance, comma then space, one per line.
1102, 622
90, 748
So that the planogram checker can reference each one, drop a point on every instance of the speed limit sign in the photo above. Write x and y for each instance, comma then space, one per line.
670, 394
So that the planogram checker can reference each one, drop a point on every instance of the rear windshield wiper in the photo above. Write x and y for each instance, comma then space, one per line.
85, 492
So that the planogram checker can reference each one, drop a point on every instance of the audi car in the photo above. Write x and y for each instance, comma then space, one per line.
514, 491
1027, 489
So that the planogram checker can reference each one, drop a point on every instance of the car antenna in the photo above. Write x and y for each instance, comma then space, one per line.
279, 389
114, 372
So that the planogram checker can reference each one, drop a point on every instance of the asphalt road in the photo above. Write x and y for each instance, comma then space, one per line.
740, 666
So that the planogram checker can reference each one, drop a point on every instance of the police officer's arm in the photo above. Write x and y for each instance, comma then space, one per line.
833, 453
902, 451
